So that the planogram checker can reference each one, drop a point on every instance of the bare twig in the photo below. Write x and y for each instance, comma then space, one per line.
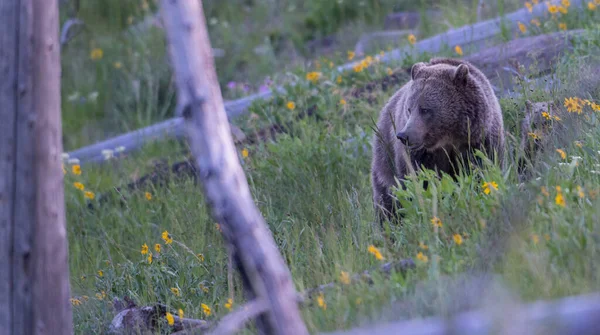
235, 320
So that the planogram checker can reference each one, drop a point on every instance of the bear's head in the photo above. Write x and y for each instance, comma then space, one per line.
443, 106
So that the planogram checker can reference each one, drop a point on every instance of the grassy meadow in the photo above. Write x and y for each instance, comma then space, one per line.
537, 236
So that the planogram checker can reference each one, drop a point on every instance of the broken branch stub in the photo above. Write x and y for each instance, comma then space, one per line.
263, 270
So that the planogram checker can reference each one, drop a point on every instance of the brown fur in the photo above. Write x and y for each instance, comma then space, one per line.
453, 109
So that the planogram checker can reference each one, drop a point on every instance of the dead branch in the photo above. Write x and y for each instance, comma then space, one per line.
263, 270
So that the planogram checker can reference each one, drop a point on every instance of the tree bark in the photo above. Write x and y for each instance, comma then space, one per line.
265, 274
34, 276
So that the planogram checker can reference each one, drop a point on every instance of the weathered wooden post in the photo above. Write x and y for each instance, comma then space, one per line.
266, 277
34, 273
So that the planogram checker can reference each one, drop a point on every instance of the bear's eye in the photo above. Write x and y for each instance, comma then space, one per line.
409, 111
424, 110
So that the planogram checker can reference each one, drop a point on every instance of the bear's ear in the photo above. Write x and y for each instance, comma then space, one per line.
461, 74
414, 71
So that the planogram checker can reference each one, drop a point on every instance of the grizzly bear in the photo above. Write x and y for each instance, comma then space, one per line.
446, 110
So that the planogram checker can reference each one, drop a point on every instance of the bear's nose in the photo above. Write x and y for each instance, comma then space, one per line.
402, 137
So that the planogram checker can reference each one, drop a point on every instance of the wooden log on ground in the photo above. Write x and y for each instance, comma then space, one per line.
263, 270
525, 57
572, 315
477, 34
34, 271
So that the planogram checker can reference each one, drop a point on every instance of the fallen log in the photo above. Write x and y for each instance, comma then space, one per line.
572, 315
476, 34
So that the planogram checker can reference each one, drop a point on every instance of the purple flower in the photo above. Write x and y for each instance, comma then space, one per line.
246, 87
263, 88
231, 85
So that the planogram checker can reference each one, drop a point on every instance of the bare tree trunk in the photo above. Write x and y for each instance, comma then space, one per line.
265, 274
34, 276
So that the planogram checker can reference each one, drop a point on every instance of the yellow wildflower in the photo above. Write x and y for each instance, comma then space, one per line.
338, 79
79, 185
535, 2
203, 288
175, 291
89, 195
488, 186
118, 65
149, 258
96, 54
343, 102
218, 227
580, 192
75, 301
547, 237
351, 55
458, 50
345, 277
200, 257
562, 153
566, 3
170, 319
421, 257
375, 252
358, 67
563, 10
546, 115
229, 304
436, 222
290, 105
423, 246
157, 247
313, 76
205, 309
321, 301
591, 6
535, 22
595, 106
552, 9
529, 6
412, 39
573, 105
144, 250
535, 239
533, 135
578, 144
562, 26
101, 295
245, 153
457, 239
522, 27
64, 170
559, 199
76, 169
148, 195
100, 273
167, 237
180, 313
544, 191
330, 64
389, 71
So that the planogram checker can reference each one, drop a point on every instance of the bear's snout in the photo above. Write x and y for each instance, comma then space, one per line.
403, 137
